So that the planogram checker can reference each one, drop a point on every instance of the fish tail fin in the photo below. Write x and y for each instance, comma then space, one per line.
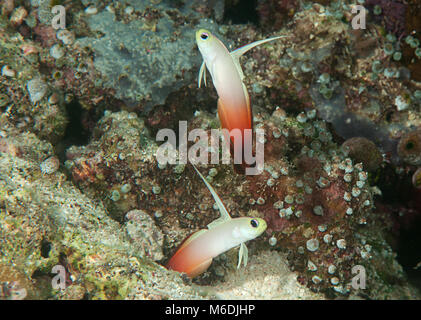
241, 168
231, 136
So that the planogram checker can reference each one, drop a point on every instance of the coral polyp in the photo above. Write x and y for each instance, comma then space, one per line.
409, 147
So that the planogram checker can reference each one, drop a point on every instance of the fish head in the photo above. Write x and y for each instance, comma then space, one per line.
252, 227
206, 42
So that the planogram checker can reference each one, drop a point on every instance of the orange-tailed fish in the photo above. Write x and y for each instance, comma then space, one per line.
195, 254
234, 108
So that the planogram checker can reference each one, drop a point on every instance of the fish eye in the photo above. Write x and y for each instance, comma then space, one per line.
204, 36
254, 223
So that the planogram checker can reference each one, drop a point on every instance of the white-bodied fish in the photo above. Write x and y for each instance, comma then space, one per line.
234, 108
195, 254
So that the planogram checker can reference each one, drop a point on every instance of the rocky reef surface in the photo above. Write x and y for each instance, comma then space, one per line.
81, 188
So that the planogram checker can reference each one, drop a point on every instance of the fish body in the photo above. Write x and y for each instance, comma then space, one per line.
196, 253
234, 109
233, 102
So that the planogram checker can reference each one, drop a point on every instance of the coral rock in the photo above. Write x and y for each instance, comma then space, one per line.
409, 147
365, 151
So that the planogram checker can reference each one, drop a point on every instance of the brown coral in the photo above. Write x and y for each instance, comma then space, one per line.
409, 147
363, 150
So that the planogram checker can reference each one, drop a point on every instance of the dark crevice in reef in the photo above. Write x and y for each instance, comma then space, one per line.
241, 12
77, 132
399, 196
409, 254
45, 248
396, 189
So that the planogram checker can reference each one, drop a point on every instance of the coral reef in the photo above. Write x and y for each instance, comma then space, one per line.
391, 13
39, 214
146, 52
115, 163
273, 14
81, 188
317, 201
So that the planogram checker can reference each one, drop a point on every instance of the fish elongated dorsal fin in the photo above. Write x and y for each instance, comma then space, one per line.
225, 216
237, 53
202, 74
191, 238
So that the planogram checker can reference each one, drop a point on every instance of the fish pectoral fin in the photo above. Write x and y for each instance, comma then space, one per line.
202, 74
242, 254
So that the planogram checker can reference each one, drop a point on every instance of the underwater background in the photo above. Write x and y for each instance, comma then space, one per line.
81, 188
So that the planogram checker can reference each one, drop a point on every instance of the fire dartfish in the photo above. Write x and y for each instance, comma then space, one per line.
195, 254
234, 109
